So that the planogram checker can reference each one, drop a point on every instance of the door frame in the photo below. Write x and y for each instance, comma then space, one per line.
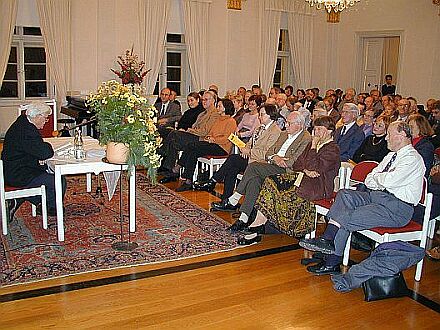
359, 37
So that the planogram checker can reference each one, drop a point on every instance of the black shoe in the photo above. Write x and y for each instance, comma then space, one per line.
248, 241
322, 269
316, 257
261, 229
238, 226
205, 186
184, 187
224, 205
318, 244
169, 178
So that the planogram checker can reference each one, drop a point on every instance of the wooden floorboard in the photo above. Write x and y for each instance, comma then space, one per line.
264, 291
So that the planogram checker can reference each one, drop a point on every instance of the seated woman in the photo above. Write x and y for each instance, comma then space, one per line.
216, 143
189, 117
375, 146
24, 154
286, 200
250, 121
254, 151
238, 102
421, 130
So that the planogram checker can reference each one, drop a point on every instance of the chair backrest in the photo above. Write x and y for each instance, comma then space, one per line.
361, 170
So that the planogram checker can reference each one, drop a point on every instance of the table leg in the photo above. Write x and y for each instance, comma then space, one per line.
59, 203
89, 182
132, 220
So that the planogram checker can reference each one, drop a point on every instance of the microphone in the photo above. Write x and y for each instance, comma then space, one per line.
65, 131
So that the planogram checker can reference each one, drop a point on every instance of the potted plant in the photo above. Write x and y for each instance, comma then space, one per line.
126, 118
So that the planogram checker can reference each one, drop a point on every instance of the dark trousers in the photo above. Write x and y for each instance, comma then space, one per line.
227, 173
188, 160
358, 210
252, 181
49, 181
174, 142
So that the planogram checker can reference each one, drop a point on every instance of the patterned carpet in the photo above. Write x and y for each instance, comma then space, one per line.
169, 227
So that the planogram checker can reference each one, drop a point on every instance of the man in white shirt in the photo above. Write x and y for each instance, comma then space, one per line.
393, 188
280, 157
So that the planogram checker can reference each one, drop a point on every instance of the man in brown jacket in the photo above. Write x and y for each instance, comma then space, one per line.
280, 157
178, 140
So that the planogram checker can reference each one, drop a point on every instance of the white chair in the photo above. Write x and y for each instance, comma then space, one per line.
211, 163
8, 193
413, 231
322, 206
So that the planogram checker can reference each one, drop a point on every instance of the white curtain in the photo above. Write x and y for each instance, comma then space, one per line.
153, 21
8, 10
269, 36
196, 22
55, 25
300, 27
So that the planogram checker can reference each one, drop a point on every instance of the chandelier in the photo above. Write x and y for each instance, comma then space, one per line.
329, 5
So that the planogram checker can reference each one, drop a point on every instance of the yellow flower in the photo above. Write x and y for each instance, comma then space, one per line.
130, 119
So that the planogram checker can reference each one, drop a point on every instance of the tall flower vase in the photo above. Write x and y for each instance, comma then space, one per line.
117, 153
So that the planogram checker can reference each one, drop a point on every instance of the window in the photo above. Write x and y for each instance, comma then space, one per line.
283, 69
26, 72
174, 68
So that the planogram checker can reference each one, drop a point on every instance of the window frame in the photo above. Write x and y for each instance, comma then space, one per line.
22, 41
185, 79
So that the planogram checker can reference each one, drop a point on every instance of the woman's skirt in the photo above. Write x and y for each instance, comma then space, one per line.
288, 212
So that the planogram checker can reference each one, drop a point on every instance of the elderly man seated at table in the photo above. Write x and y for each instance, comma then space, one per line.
24, 155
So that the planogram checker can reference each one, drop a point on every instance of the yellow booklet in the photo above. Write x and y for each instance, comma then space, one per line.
236, 140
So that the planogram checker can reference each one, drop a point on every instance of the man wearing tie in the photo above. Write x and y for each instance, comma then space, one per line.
392, 190
309, 102
350, 136
168, 112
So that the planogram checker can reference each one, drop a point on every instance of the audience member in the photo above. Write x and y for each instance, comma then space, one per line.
250, 121
189, 117
388, 88
420, 132
285, 200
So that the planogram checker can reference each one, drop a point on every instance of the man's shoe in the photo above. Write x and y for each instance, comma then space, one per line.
322, 269
261, 229
205, 186
248, 241
184, 187
169, 178
318, 244
434, 253
224, 205
237, 226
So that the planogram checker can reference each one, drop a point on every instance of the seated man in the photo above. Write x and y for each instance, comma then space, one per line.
254, 151
23, 155
168, 112
393, 188
178, 140
281, 157
350, 136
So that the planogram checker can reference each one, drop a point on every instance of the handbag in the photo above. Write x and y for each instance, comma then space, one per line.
377, 288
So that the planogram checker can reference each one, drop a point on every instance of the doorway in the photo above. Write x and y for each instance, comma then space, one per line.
378, 55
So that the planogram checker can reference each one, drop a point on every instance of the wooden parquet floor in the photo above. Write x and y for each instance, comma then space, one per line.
262, 286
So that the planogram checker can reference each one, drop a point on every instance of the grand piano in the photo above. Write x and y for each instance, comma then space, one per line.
80, 112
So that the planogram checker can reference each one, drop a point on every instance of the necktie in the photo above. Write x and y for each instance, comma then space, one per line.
162, 112
343, 130
387, 166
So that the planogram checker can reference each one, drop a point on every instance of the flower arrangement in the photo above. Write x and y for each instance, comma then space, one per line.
132, 71
125, 116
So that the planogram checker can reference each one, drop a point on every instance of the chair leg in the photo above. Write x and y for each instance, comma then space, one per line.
346, 257
34, 210
44, 206
419, 269
4, 218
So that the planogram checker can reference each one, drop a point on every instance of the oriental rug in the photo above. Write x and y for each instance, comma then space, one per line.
168, 227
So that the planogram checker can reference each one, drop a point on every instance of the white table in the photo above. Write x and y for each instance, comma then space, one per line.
67, 164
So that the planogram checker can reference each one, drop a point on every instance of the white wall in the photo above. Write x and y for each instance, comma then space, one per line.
103, 29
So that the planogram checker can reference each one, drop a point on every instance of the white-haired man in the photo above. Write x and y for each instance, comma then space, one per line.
23, 155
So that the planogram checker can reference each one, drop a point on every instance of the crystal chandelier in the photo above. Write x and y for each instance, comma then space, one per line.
329, 5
